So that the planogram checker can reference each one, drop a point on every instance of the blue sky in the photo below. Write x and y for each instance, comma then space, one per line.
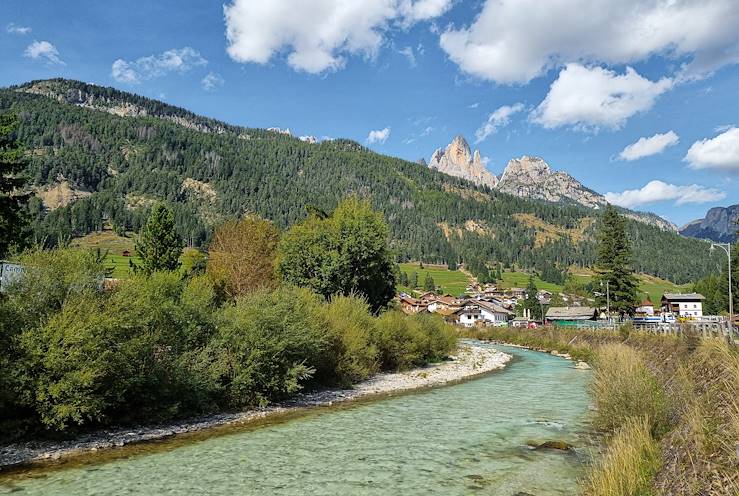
575, 82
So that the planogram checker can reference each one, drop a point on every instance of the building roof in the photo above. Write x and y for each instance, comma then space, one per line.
493, 307
683, 297
570, 313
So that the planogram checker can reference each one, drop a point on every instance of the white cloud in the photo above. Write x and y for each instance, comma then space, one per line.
473, 105
43, 50
211, 81
378, 136
407, 52
318, 35
15, 29
645, 147
658, 191
514, 41
501, 117
721, 152
175, 60
590, 98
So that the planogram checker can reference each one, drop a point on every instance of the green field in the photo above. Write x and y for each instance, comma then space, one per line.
115, 246
653, 286
453, 282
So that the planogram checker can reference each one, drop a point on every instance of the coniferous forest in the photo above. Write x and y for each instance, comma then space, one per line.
120, 153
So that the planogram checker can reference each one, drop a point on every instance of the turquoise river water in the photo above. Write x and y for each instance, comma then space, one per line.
469, 438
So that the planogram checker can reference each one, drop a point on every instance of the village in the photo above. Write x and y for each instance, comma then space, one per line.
489, 305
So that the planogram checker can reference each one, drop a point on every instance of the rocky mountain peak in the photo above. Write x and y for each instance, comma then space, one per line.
458, 160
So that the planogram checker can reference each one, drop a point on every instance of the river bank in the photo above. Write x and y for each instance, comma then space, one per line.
470, 361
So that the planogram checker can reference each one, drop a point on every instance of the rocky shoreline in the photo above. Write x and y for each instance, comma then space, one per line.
471, 361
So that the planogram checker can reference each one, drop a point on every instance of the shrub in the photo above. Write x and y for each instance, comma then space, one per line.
439, 337
352, 356
629, 463
399, 340
268, 345
242, 255
624, 387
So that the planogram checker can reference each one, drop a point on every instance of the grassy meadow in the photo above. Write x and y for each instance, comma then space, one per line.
453, 282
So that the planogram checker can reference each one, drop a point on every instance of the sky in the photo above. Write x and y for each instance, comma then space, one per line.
637, 99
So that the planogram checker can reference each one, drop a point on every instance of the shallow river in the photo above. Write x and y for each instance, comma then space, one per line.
468, 438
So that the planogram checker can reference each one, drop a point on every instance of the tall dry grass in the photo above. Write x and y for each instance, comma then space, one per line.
623, 387
629, 463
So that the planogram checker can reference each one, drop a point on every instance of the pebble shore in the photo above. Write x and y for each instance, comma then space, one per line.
470, 361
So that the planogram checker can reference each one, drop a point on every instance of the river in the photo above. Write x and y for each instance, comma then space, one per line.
469, 438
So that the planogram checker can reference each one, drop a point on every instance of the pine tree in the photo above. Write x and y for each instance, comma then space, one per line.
531, 302
428, 283
159, 246
413, 283
404, 279
613, 267
12, 202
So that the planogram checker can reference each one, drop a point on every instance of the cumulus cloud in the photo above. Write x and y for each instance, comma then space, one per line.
175, 60
500, 118
514, 41
378, 136
645, 147
721, 152
659, 191
211, 81
15, 29
318, 35
590, 98
45, 51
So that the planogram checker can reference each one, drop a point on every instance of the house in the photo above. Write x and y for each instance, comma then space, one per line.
411, 305
494, 313
518, 293
468, 316
520, 322
571, 315
446, 302
688, 305
645, 309
544, 297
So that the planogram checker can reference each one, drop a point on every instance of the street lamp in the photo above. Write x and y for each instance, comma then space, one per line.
727, 248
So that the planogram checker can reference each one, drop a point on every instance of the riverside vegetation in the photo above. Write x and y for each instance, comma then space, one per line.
161, 346
667, 407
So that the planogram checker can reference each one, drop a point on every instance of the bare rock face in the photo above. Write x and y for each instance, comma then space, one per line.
719, 225
457, 160
531, 177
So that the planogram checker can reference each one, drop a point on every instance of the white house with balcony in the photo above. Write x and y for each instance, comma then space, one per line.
687, 305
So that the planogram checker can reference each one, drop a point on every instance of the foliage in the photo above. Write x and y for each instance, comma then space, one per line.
159, 246
614, 265
242, 255
12, 201
531, 302
624, 387
345, 253
629, 463
428, 283
127, 163
353, 355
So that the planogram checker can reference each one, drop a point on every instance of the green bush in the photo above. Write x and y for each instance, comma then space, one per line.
439, 338
352, 355
268, 345
399, 341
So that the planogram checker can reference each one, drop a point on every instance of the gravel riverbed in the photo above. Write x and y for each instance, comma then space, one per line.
470, 361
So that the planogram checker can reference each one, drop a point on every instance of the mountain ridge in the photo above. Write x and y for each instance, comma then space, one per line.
528, 177
719, 225
209, 171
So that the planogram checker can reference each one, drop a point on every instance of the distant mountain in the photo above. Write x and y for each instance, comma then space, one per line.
101, 157
457, 160
720, 225
528, 177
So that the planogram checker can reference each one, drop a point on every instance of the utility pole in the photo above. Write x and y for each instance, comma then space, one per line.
727, 248
608, 301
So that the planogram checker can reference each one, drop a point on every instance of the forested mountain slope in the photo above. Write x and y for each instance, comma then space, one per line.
98, 154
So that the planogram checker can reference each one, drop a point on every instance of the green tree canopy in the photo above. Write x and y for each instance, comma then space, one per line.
613, 267
344, 253
159, 246
428, 283
12, 165
531, 302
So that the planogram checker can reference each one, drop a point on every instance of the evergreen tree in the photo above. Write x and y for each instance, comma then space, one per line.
404, 279
158, 245
531, 302
413, 282
12, 164
613, 267
428, 283
452, 265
